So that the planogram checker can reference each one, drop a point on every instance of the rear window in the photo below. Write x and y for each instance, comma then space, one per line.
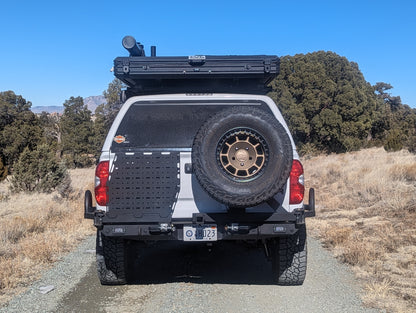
164, 125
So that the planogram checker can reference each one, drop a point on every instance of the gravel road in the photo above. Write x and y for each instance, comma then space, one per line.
178, 277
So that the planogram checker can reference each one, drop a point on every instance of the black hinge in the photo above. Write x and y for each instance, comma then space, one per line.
267, 65
126, 66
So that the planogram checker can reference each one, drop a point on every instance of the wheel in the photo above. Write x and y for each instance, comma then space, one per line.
289, 258
242, 156
111, 260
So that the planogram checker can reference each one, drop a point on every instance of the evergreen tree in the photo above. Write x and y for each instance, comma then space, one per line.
326, 101
38, 170
107, 112
395, 126
11, 105
76, 129
19, 127
50, 124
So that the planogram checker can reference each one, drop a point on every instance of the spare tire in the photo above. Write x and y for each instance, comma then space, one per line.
242, 156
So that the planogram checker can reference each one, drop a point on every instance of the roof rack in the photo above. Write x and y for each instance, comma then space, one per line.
193, 74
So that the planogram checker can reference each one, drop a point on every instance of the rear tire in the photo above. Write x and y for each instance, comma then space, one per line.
289, 258
111, 260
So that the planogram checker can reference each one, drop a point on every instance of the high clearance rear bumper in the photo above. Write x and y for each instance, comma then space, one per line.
234, 225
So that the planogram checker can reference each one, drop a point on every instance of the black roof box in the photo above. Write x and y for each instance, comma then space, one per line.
193, 74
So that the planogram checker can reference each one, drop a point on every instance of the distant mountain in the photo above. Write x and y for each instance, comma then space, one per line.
91, 102
48, 109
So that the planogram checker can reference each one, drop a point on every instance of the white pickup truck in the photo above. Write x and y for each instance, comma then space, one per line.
184, 160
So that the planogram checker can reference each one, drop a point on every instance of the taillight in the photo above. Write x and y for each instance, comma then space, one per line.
101, 177
297, 183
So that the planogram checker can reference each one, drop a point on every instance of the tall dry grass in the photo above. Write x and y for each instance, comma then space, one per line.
37, 229
366, 214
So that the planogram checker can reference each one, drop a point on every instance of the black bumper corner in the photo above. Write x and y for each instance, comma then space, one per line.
310, 208
89, 210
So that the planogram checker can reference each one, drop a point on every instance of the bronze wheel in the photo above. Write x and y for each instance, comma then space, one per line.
242, 154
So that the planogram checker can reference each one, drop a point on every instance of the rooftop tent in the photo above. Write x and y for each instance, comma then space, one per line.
193, 74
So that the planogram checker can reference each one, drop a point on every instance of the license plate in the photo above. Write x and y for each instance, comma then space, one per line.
200, 233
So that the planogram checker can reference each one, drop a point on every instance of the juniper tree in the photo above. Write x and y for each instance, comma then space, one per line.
76, 129
38, 170
326, 101
19, 127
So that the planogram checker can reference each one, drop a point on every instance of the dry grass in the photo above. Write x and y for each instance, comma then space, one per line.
366, 214
37, 229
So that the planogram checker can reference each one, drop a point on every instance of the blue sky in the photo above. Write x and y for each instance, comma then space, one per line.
52, 50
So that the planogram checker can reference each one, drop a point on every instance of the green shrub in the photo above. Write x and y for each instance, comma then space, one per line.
38, 170
78, 160
65, 189
394, 141
411, 146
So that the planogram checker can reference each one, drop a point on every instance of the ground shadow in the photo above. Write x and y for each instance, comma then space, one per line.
223, 263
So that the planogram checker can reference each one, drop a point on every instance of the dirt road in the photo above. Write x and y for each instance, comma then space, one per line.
172, 277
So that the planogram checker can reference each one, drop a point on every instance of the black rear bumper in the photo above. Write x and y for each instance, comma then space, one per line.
175, 231
234, 225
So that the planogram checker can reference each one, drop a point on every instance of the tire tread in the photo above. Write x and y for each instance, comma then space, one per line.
290, 259
111, 260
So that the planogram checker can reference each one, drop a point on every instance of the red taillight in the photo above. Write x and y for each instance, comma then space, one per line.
297, 184
101, 178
